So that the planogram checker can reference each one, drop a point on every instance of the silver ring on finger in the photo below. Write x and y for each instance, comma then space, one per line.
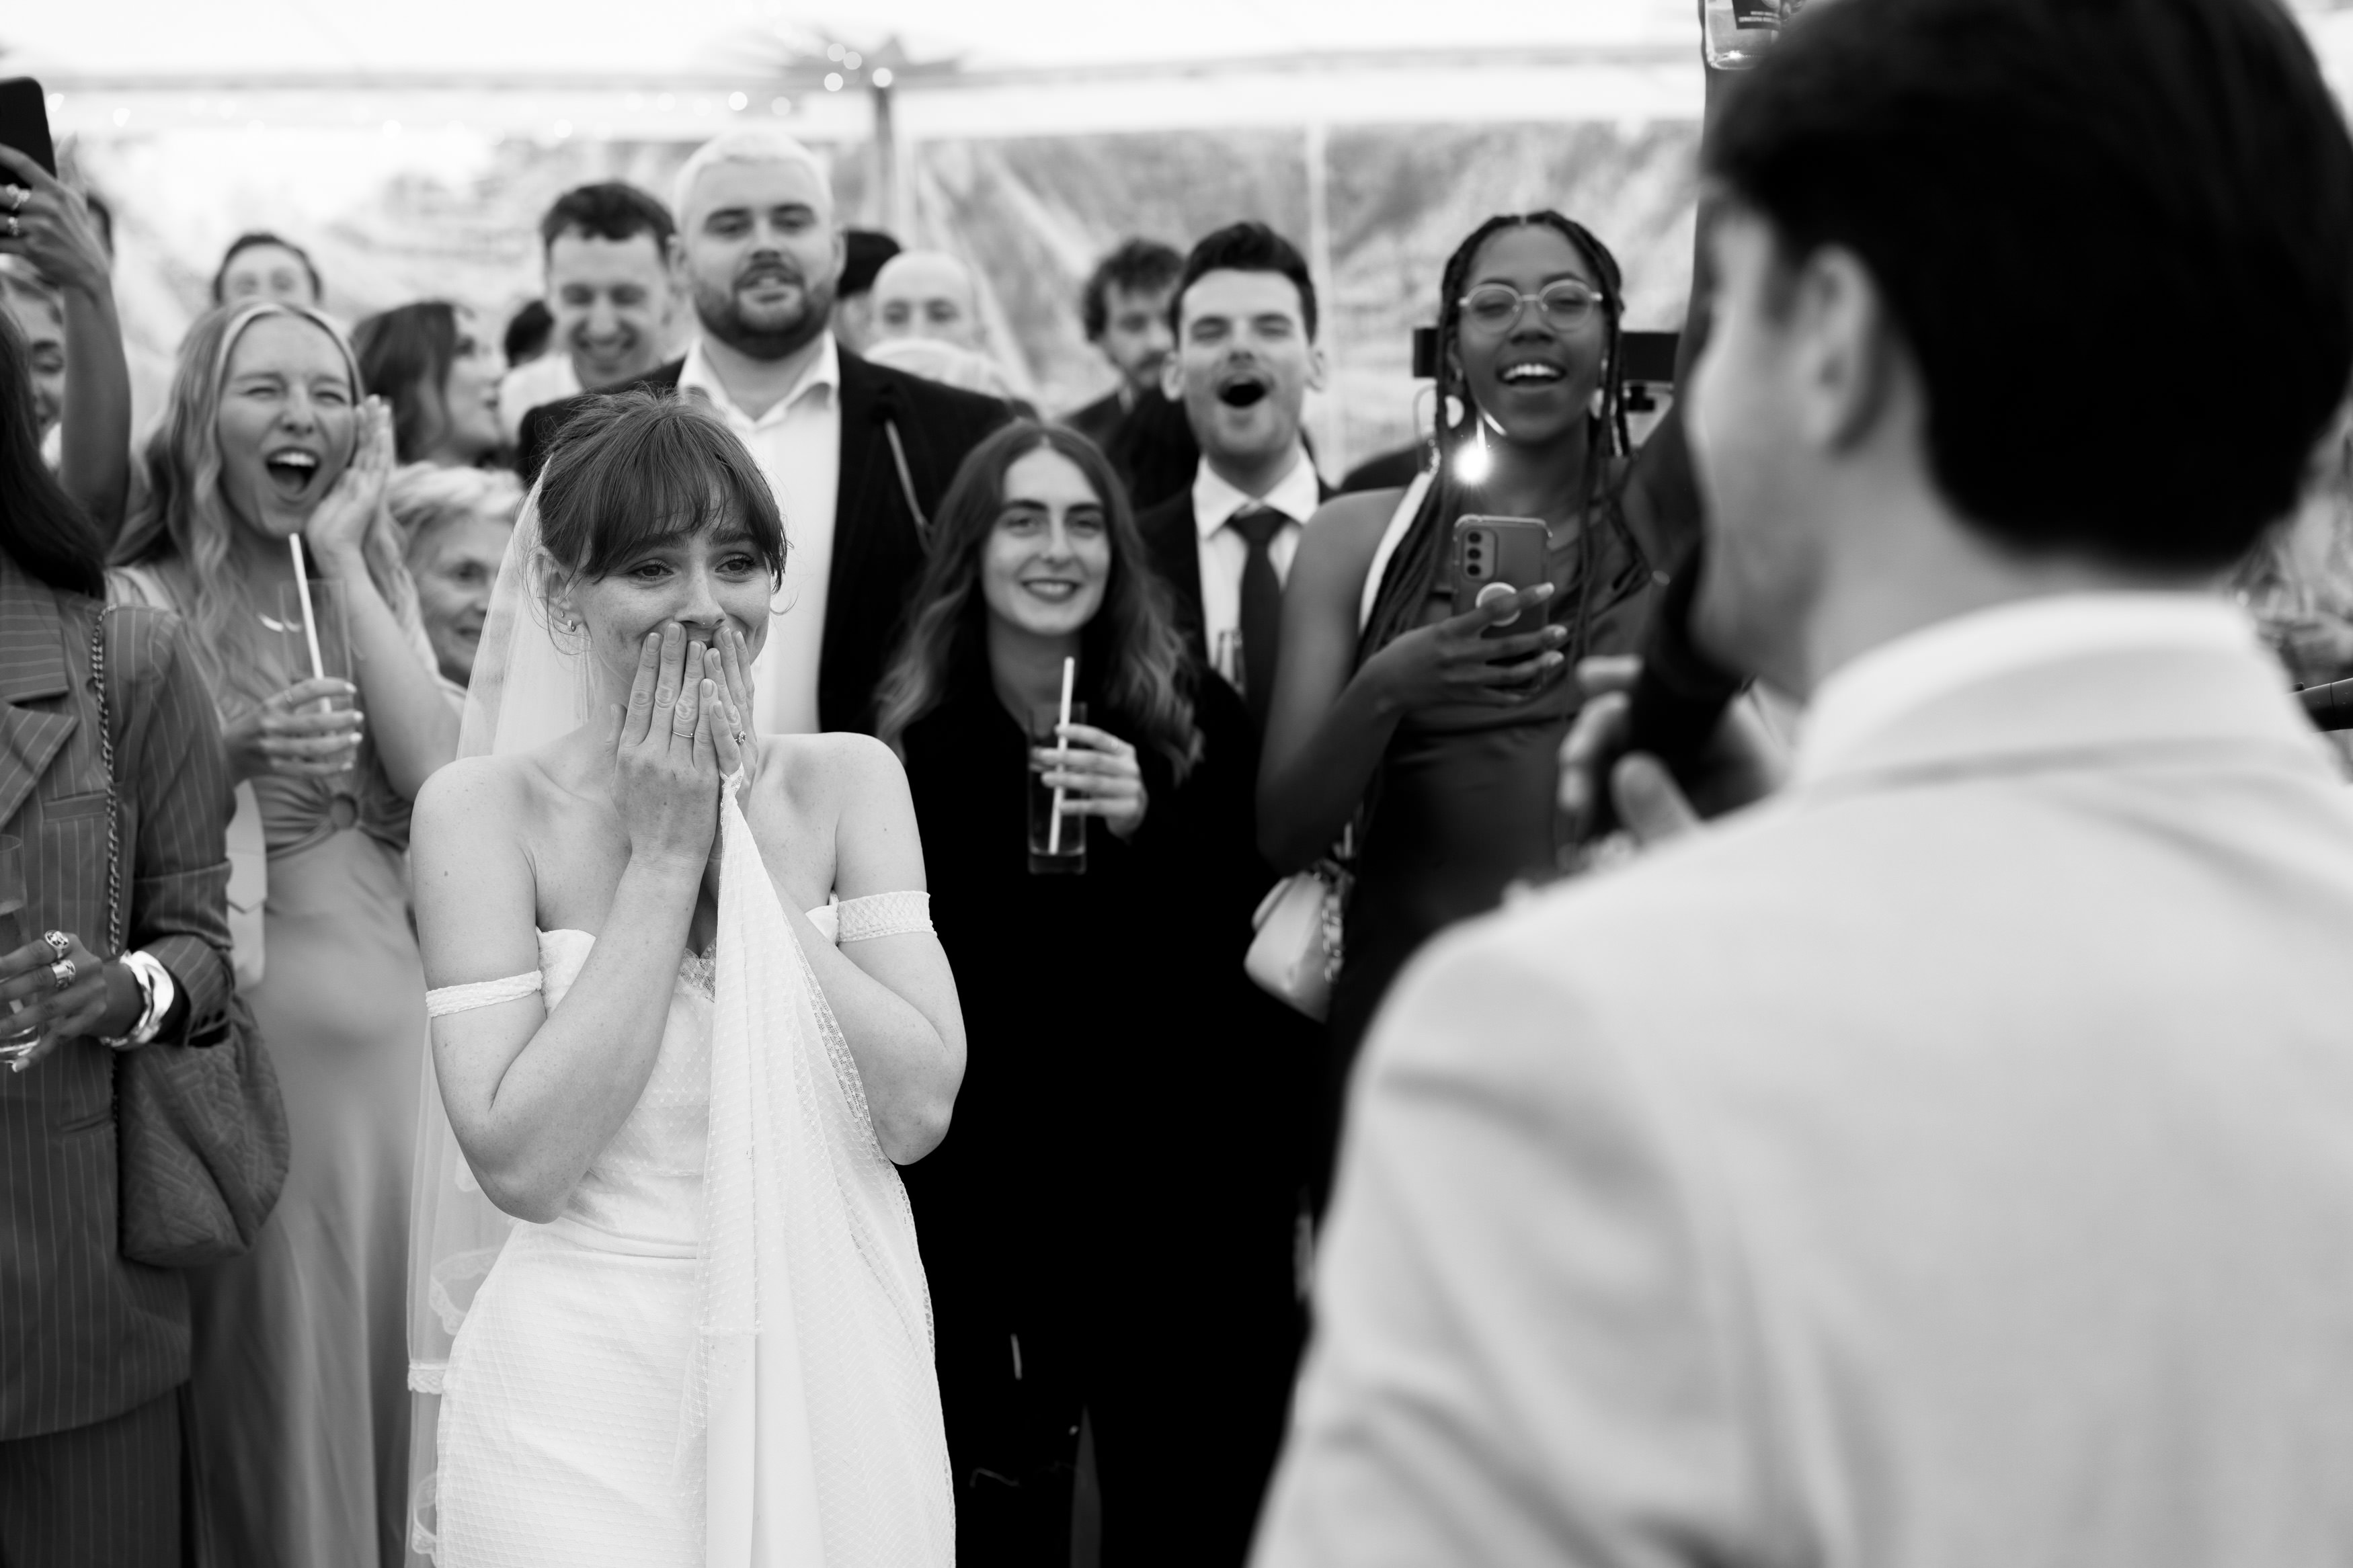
15, 228
60, 943
61, 974
18, 196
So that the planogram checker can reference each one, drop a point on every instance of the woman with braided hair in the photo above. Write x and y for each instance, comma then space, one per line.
1393, 712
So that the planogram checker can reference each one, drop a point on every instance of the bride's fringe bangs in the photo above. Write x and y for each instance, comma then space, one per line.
634, 468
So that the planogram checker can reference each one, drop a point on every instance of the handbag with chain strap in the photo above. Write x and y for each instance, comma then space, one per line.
200, 1133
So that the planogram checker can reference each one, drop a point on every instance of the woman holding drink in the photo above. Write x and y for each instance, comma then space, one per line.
94, 1356
299, 1365
1108, 1225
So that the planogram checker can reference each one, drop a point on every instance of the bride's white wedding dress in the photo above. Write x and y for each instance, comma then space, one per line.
720, 1353
562, 1405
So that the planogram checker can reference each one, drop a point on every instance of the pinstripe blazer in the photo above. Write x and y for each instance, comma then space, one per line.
84, 1335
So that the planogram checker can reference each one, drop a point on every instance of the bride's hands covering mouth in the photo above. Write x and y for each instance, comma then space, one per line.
671, 746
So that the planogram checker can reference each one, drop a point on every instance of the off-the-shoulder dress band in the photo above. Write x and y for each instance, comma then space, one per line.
853, 920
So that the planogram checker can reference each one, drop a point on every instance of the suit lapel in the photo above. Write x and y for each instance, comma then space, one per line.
32, 669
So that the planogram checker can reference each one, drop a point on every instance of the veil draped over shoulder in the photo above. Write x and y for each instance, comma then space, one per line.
809, 1423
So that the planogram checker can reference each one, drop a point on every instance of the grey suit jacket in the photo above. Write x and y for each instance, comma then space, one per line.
1947, 1165
85, 1335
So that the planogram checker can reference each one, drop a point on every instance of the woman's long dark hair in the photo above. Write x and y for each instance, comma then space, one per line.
1420, 556
40, 527
1131, 651
400, 350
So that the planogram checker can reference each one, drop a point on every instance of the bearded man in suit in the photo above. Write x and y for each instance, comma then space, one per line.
1947, 1160
857, 454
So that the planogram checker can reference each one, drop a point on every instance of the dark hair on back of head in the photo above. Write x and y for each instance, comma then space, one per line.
1245, 247
633, 468
253, 240
399, 348
863, 252
609, 209
2149, 200
528, 331
41, 529
1137, 266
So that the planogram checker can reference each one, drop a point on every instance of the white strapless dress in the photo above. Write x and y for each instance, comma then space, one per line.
563, 1435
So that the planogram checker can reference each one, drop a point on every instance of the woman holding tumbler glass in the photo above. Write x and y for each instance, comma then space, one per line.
301, 1354
1107, 1227
93, 1348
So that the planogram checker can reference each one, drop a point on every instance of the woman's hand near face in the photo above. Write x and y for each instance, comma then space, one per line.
1099, 777
338, 527
291, 735
1454, 660
731, 665
667, 753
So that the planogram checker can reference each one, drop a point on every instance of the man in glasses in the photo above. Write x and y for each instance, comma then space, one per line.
1947, 1162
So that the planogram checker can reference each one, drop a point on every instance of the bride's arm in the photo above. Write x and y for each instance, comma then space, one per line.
534, 1097
894, 996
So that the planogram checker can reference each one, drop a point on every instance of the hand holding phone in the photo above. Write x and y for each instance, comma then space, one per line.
1494, 557
40, 219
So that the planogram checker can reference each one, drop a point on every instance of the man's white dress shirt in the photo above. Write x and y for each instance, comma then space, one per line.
798, 443
1224, 551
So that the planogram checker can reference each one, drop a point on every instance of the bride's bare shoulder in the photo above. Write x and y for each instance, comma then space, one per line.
827, 772
475, 795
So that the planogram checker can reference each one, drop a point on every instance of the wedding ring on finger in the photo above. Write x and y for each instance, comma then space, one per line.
61, 974
60, 943
18, 196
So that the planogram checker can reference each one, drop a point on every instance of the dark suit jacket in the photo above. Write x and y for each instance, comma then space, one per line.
85, 1336
1173, 542
1099, 421
876, 551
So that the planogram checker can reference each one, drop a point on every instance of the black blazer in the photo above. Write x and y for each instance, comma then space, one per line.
878, 552
1099, 421
1173, 541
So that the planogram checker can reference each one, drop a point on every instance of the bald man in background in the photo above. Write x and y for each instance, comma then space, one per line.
760, 254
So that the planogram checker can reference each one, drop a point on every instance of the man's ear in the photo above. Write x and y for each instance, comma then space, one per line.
1845, 347
1172, 378
1317, 369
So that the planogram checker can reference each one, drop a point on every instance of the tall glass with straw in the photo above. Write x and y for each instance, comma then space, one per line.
1057, 840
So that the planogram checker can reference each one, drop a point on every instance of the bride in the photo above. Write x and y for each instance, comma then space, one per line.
709, 1341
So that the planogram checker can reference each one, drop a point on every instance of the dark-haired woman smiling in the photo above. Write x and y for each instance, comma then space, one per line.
432, 364
1107, 1226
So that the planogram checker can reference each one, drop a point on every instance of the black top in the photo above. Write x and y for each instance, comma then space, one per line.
876, 551
1099, 421
1122, 1073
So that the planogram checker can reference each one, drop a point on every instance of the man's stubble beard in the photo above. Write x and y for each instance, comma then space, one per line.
717, 311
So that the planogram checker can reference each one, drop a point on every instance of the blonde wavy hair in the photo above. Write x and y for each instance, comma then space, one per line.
185, 527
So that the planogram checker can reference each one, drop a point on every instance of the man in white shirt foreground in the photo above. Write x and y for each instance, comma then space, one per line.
1950, 1161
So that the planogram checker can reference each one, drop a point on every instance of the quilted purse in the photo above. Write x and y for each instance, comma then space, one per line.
200, 1132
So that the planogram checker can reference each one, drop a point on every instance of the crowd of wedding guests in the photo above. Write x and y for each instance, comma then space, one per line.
1265, 676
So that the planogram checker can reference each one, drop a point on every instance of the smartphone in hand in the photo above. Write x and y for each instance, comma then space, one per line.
25, 121
1493, 557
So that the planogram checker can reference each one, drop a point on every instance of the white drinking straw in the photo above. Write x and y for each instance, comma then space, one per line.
310, 620
1062, 756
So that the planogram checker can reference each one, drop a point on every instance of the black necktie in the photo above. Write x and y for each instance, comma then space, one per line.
1261, 616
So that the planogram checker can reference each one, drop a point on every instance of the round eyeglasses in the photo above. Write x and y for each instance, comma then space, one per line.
1497, 307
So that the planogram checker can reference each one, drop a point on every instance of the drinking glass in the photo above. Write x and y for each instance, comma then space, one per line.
13, 935
1050, 854
331, 619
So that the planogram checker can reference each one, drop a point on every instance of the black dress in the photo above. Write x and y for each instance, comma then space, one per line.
1108, 1225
